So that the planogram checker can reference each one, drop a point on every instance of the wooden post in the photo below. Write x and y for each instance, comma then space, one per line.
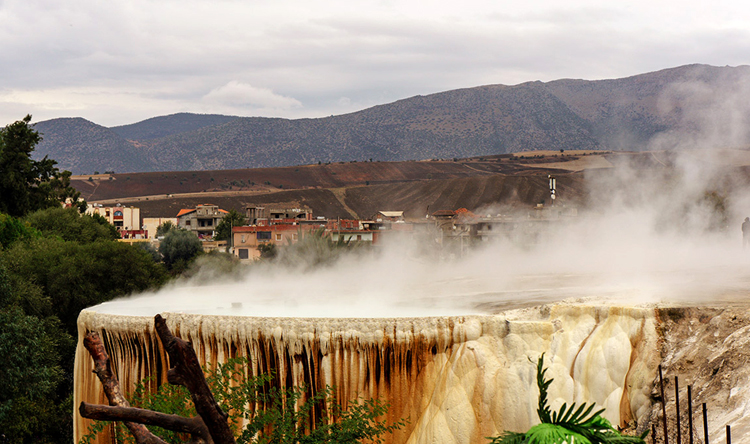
663, 405
690, 413
677, 408
705, 425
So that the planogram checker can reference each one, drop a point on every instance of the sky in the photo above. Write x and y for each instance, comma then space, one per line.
116, 63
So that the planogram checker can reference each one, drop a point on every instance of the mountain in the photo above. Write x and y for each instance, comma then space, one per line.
632, 113
158, 127
79, 145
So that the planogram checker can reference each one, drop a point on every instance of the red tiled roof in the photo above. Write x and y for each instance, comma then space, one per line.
185, 211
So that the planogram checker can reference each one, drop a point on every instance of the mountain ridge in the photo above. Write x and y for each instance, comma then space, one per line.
565, 114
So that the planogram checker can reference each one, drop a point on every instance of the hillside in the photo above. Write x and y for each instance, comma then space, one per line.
354, 189
165, 126
619, 114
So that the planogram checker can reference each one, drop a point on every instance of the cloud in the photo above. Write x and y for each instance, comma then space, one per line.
285, 53
239, 96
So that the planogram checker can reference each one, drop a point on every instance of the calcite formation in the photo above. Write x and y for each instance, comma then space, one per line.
457, 379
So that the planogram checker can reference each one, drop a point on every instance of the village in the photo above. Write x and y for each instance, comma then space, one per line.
279, 225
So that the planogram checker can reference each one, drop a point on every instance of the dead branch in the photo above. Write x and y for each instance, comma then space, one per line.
186, 371
176, 423
209, 427
103, 370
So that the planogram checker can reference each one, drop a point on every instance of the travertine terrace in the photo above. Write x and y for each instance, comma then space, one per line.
458, 379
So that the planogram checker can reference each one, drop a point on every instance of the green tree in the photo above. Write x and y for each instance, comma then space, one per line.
165, 228
179, 248
69, 225
25, 184
568, 425
30, 372
232, 219
12, 230
73, 276
314, 249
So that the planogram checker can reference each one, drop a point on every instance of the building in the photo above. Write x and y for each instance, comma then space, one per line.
388, 216
247, 241
277, 213
150, 224
127, 220
201, 220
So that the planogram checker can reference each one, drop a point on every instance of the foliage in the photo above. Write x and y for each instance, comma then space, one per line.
232, 219
25, 184
179, 248
75, 276
215, 265
149, 249
315, 249
69, 225
568, 425
30, 372
12, 230
165, 228
278, 416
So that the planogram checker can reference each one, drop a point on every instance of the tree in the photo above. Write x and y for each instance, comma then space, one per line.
25, 184
568, 425
30, 371
179, 248
165, 228
314, 249
61, 278
232, 219
12, 230
71, 226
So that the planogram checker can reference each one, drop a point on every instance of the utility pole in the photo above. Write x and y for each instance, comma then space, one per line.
552, 187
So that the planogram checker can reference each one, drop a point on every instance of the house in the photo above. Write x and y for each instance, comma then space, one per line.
278, 213
150, 224
247, 240
201, 220
388, 216
354, 236
127, 220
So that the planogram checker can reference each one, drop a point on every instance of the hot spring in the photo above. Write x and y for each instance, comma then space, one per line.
456, 359
452, 345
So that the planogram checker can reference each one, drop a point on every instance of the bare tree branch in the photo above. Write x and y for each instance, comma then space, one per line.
103, 370
177, 423
186, 370
210, 427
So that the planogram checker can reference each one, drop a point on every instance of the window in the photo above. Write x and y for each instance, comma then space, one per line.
278, 236
118, 213
242, 238
264, 235
187, 223
242, 253
210, 222
294, 236
359, 237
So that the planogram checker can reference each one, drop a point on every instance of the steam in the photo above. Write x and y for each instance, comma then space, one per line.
657, 227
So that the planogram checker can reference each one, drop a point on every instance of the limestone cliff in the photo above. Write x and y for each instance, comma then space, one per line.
457, 379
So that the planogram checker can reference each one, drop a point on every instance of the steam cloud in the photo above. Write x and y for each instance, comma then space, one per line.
664, 227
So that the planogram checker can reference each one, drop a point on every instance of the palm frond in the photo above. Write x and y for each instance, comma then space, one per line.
570, 424
554, 434
509, 438
543, 410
